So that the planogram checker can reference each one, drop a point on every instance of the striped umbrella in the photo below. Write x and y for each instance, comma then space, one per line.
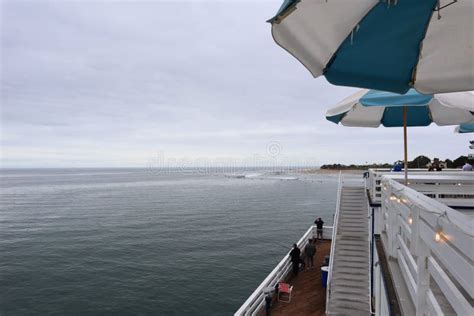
374, 108
389, 45
464, 128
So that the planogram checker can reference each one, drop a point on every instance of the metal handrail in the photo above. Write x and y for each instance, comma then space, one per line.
370, 217
333, 238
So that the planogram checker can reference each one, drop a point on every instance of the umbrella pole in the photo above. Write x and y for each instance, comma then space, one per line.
405, 147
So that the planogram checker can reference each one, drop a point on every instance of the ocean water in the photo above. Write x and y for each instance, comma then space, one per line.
132, 241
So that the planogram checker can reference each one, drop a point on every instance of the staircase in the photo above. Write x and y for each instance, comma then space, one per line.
350, 284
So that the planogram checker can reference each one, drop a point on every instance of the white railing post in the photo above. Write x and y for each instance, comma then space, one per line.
421, 251
392, 225
378, 178
423, 278
415, 230
370, 183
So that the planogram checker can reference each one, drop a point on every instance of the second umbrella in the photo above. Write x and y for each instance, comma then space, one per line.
371, 108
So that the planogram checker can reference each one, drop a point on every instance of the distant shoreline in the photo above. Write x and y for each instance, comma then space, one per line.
330, 171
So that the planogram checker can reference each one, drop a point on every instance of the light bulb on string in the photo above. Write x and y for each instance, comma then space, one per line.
438, 234
439, 229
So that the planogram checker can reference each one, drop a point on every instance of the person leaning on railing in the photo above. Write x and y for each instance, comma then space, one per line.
295, 254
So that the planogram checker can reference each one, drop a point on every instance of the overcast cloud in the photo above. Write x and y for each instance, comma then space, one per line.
107, 84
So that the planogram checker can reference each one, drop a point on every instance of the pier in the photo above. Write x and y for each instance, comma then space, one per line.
395, 250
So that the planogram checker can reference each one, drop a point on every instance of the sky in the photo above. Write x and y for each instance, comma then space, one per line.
129, 84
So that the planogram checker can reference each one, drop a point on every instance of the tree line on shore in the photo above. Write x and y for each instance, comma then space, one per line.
419, 162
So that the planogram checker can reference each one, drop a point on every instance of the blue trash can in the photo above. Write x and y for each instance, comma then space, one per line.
324, 275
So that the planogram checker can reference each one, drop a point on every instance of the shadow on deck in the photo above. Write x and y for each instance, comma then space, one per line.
309, 297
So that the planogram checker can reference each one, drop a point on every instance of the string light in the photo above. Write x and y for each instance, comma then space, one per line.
413, 203
439, 229
410, 219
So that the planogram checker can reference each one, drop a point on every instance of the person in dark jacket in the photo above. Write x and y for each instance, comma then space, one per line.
319, 228
295, 255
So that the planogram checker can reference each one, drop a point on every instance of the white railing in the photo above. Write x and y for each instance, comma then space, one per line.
382, 301
333, 238
256, 300
452, 187
431, 243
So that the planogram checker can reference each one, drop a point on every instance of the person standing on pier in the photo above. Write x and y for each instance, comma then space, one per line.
319, 228
310, 250
295, 254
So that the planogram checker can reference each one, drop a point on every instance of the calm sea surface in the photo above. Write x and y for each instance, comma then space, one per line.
130, 241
